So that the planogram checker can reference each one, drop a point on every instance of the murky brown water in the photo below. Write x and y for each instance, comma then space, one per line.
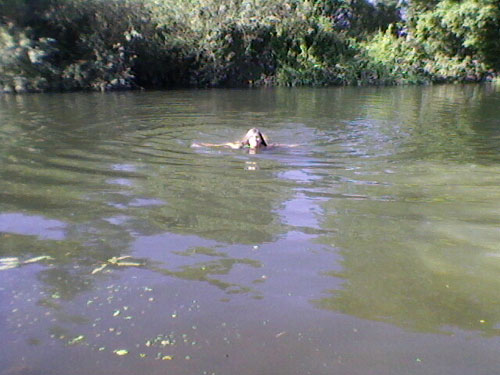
373, 248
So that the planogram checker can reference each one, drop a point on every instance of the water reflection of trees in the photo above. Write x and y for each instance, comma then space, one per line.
419, 267
218, 199
418, 230
111, 177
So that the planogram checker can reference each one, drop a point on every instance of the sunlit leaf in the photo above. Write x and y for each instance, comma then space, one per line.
99, 269
76, 340
8, 263
128, 264
37, 259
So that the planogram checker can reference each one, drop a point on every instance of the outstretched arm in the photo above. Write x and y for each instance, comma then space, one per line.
228, 144
284, 145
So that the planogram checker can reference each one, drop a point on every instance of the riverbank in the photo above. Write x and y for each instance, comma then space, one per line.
55, 45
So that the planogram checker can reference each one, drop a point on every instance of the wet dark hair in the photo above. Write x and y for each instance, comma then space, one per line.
263, 139
251, 132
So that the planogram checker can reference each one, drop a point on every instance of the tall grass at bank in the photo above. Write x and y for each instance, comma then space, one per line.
124, 44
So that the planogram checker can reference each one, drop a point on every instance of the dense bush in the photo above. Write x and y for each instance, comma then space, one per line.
125, 44
25, 64
459, 40
99, 45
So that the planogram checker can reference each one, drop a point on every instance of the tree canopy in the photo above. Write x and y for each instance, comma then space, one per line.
124, 44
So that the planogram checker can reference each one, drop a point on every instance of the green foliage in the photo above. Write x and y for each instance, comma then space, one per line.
397, 58
124, 44
235, 55
461, 30
24, 63
357, 17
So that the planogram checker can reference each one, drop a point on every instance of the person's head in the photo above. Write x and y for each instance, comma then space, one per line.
254, 139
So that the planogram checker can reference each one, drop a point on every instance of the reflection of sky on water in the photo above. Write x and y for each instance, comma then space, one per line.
118, 219
166, 248
303, 257
300, 175
301, 211
144, 202
120, 181
32, 225
124, 167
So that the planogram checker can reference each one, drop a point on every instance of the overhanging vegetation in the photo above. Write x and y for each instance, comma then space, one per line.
61, 45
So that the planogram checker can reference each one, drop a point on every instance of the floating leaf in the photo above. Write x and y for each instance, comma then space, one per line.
76, 340
8, 263
167, 358
99, 269
120, 352
115, 260
128, 264
37, 259
116, 313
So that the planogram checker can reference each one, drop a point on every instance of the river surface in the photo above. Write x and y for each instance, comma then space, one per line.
371, 248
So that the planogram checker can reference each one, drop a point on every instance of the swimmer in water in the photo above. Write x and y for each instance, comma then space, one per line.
254, 139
